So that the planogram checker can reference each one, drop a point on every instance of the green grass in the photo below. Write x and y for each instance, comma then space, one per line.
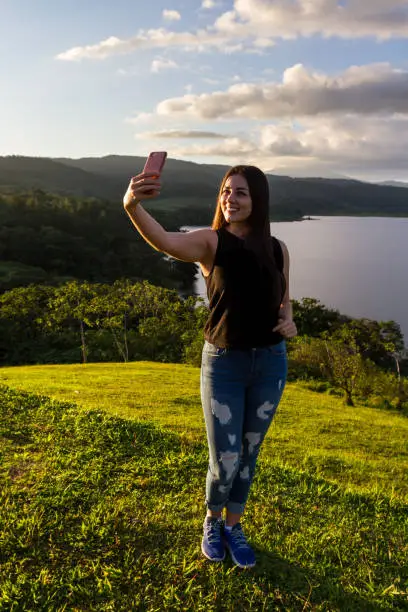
101, 503
363, 449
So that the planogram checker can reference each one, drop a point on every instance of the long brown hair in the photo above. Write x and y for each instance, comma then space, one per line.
258, 239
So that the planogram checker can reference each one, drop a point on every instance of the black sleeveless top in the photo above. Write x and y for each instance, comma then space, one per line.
244, 295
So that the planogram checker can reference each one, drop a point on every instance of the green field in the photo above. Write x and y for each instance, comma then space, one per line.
102, 498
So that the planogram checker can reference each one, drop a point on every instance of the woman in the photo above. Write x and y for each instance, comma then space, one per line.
244, 363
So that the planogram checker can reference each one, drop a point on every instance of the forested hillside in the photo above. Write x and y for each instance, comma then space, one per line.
52, 238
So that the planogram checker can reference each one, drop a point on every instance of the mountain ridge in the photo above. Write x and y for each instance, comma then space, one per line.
196, 185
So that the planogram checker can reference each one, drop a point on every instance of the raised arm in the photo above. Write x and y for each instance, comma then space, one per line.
194, 246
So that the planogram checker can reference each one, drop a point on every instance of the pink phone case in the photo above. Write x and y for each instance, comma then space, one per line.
155, 162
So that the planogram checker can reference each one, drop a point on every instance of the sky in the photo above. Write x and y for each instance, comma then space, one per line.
300, 87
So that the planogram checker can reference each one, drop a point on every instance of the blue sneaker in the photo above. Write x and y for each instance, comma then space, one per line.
240, 551
212, 545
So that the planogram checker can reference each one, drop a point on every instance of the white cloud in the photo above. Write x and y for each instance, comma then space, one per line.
211, 81
359, 142
102, 50
140, 118
169, 15
232, 48
283, 141
355, 122
371, 89
208, 4
381, 19
230, 147
160, 64
145, 39
347, 145
263, 43
257, 24
182, 134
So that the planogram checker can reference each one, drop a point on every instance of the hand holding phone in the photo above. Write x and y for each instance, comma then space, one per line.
141, 187
155, 162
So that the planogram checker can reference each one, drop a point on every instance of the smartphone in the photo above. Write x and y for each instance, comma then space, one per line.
155, 162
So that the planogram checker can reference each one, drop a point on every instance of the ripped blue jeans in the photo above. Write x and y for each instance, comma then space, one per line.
240, 392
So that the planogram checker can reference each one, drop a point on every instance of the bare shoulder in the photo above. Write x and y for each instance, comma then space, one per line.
205, 236
191, 246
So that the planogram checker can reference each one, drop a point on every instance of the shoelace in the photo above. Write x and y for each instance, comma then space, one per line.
213, 531
239, 539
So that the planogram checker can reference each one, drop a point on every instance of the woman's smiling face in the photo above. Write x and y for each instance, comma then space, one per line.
236, 202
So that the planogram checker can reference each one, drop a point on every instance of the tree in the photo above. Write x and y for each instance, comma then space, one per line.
71, 305
378, 340
23, 322
336, 359
193, 335
344, 366
313, 318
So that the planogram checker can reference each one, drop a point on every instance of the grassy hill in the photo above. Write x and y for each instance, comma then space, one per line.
101, 503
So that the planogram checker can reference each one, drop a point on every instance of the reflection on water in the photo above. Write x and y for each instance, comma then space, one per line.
358, 265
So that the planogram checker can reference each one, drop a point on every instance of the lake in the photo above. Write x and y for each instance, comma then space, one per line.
358, 265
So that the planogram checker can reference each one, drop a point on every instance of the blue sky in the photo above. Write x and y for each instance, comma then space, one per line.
302, 87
